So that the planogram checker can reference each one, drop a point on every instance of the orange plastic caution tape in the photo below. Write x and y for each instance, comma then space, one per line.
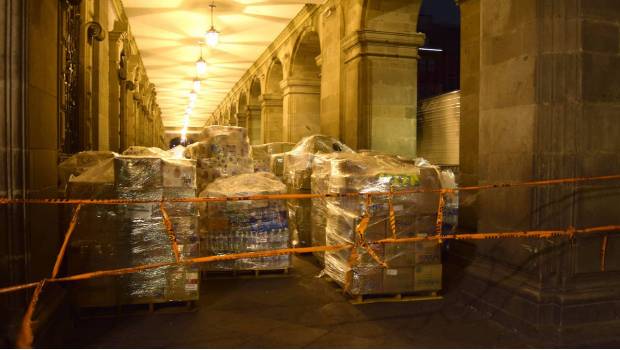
170, 230
306, 196
603, 253
65, 243
25, 336
440, 207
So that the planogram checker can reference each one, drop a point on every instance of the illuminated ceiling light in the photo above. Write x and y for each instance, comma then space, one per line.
184, 135
193, 95
212, 36
430, 49
192, 104
201, 64
197, 84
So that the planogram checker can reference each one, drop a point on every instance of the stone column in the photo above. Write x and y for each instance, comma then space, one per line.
271, 113
381, 90
548, 108
254, 124
242, 119
114, 107
301, 100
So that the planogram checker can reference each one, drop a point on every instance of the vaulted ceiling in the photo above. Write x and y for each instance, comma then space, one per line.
168, 33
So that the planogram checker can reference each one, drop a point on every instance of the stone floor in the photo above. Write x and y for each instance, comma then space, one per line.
298, 311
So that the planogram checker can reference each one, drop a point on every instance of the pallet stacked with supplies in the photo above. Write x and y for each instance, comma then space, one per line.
119, 236
377, 270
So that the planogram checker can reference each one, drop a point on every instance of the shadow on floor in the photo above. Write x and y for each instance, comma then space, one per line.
298, 311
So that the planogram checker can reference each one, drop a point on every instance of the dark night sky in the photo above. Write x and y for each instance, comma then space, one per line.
443, 11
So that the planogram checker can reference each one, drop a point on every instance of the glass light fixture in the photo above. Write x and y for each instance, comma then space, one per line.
212, 36
193, 95
196, 84
184, 135
201, 64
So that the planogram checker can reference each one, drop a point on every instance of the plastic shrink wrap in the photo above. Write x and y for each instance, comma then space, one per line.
261, 154
244, 226
79, 163
224, 152
116, 236
382, 268
297, 175
451, 203
276, 164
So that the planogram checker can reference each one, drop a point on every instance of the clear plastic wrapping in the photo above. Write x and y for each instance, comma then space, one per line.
451, 203
276, 164
297, 175
79, 163
245, 226
261, 154
115, 236
409, 267
225, 151
146, 152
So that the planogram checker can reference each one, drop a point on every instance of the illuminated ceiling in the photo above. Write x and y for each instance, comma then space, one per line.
168, 32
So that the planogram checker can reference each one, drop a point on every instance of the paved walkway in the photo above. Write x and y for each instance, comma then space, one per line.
298, 311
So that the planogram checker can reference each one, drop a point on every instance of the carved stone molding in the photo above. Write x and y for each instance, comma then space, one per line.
94, 31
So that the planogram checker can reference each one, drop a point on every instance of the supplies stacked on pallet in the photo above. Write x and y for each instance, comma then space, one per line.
373, 268
319, 183
118, 236
79, 163
155, 178
224, 152
297, 176
261, 154
245, 226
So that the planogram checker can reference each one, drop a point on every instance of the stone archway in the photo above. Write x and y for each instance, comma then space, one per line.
241, 114
254, 113
301, 90
271, 103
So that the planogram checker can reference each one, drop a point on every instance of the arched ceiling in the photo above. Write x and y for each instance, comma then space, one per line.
168, 32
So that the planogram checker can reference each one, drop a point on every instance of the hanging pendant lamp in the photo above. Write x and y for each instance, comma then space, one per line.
212, 36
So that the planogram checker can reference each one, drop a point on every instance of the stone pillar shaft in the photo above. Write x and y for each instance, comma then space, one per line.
301, 100
271, 113
381, 91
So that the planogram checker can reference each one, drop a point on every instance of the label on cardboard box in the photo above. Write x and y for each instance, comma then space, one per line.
391, 272
191, 287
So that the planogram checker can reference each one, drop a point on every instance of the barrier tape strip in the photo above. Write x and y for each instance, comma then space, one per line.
25, 336
570, 232
307, 195
603, 253
392, 215
170, 231
440, 206
65, 243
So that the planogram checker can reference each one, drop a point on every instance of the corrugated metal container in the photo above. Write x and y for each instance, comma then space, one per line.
438, 128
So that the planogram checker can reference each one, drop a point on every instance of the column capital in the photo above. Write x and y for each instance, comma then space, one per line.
382, 44
271, 100
300, 86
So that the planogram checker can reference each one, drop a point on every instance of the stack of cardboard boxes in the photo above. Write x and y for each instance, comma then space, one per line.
297, 176
409, 267
245, 226
115, 236
224, 152
261, 154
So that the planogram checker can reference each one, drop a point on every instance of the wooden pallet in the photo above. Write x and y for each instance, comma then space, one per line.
260, 273
137, 309
393, 298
